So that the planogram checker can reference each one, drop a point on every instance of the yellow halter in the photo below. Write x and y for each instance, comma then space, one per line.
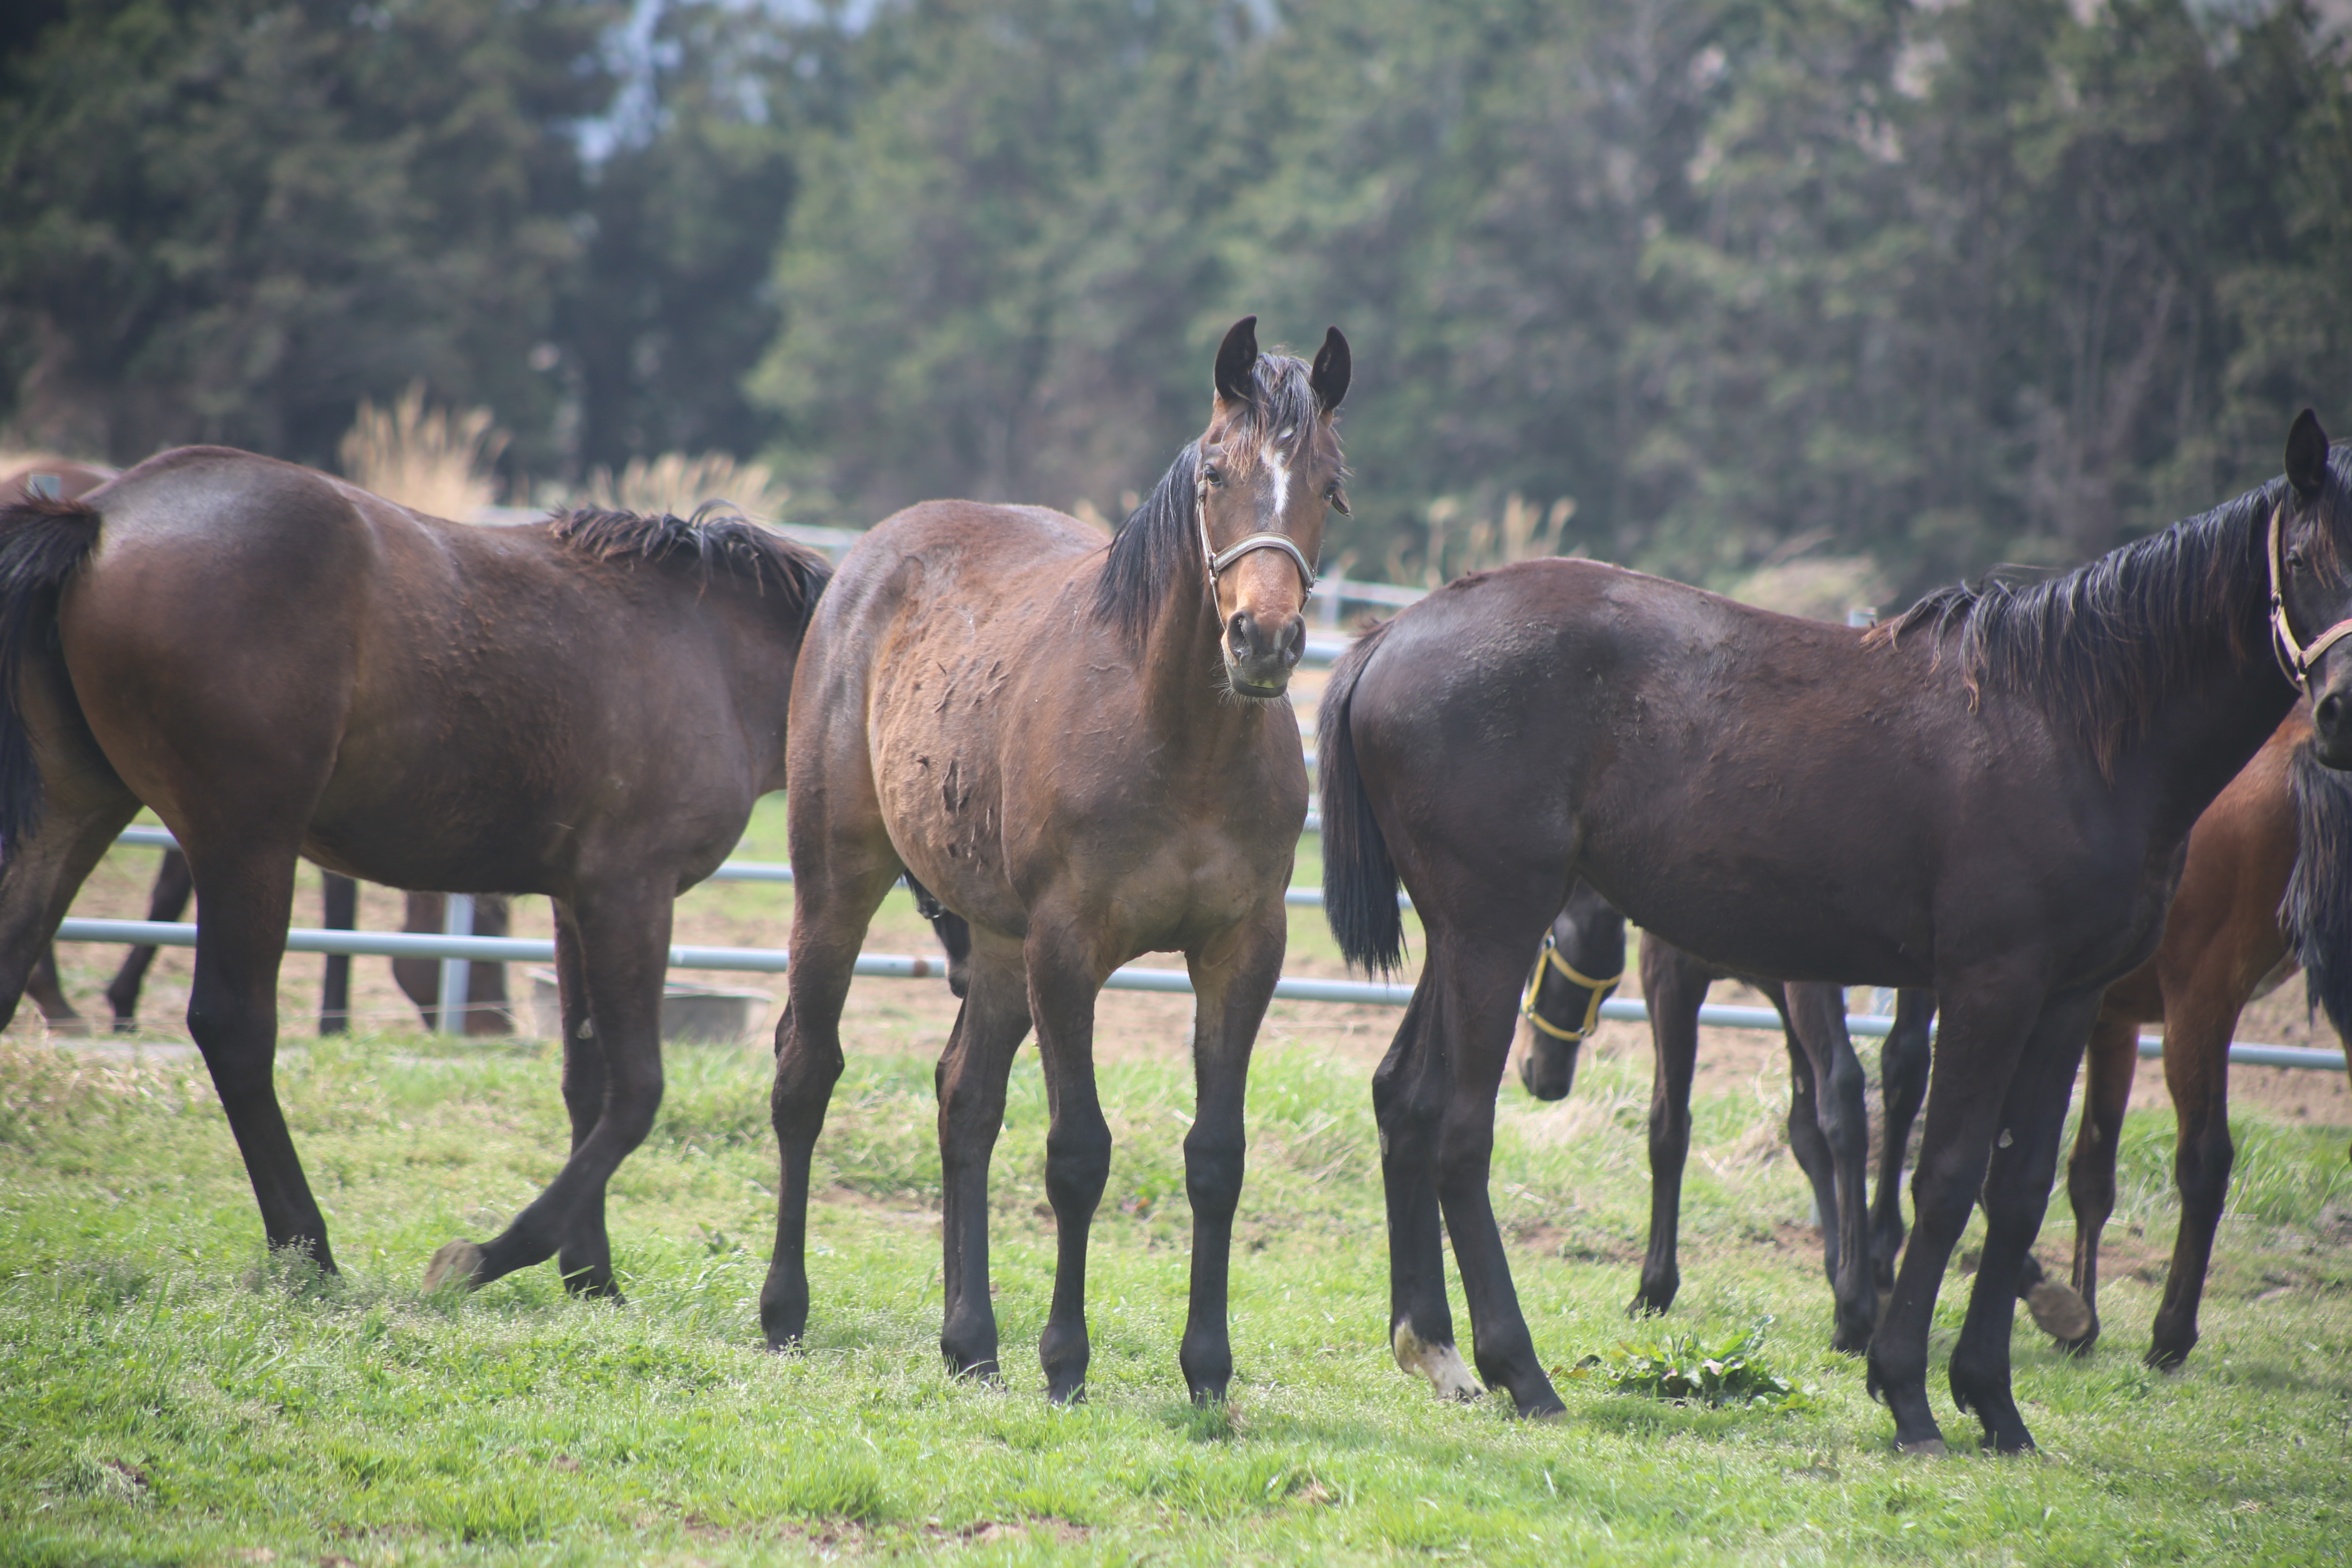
1596, 993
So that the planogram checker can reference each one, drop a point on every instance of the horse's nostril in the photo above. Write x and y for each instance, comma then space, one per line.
2328, 712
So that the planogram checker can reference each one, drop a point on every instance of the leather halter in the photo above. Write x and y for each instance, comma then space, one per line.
2294, 657
1218, 560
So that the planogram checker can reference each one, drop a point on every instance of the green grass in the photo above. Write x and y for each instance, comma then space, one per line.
167, 1394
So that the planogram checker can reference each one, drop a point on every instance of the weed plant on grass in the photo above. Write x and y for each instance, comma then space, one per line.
169, 1394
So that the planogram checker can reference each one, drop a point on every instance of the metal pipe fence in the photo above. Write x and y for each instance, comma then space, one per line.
904, 966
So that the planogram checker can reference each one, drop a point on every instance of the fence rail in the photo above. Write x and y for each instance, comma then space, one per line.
905, 966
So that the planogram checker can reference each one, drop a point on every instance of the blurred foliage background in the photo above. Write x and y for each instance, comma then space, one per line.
1836, 298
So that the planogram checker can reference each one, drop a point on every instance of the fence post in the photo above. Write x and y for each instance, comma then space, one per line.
455, 972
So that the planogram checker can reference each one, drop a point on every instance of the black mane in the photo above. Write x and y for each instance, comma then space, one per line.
725, 545
1160, 544
2104, 644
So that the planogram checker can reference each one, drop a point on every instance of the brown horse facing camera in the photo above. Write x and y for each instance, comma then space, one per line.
1087, 754
1988, 797
282, 665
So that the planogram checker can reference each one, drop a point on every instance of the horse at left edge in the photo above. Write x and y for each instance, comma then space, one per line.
282, 665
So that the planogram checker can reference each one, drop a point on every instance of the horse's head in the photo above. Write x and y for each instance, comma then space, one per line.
1268, 470
2310, 546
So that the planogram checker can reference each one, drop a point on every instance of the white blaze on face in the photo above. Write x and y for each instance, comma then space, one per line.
1442, 1365
1277, 470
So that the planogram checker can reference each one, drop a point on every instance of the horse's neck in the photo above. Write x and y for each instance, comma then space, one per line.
1185, 699
2196, 742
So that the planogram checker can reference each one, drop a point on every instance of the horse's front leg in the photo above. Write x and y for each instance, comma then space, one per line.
1816, 1015
1063, 982
1987, 1013
1674, 986
1476, 1006
623, 942
1234, 980
2016, 1192
839, 884
970, 1079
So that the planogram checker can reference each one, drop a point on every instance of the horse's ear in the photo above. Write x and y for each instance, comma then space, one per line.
1237, 359
2307, 455
1332, 367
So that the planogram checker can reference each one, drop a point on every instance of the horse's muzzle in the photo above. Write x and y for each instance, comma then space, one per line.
2331, 716
1259, 659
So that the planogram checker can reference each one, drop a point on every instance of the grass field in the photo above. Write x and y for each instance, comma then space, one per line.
168, 1394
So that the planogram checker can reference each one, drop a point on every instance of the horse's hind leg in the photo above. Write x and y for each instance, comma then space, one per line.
167, 900
2016, 1193
1476, 1003
972, 1074
839, 886
340, 897
1902, 1085
2198, 1025
86, 807
1234, 980
2091, 1171
1817, 1012
247, 893
585, 1258
1409, 1094
1674, 986
624, 939
49, 993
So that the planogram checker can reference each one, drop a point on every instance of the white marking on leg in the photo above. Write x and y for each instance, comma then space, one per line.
1442, 1365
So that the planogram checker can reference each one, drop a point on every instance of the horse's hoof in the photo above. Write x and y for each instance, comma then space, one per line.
1925, 1448
2058, 1311
1441, 1363
457, 1263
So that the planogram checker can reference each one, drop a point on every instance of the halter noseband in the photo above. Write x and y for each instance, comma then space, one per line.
2294, 657
1218, 560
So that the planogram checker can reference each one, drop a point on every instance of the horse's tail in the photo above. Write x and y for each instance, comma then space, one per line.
2316, 913
1359, 881
43, 542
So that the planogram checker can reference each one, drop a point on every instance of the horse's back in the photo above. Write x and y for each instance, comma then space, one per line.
442, 704
1663, 742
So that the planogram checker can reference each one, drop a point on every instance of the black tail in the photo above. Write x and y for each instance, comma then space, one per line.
2316, 913
1359, 881
42, 543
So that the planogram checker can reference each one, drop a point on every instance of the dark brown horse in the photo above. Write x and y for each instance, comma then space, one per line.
1990, 798
282, 665
1087, 754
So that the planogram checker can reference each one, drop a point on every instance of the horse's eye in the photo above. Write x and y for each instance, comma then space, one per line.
1213, 474
2295, 560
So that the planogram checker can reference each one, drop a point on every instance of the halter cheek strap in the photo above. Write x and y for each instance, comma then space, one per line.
1218, 560
2294, 657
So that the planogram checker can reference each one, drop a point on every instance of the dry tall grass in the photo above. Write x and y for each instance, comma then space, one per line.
438, 461
1460, 543
676, 484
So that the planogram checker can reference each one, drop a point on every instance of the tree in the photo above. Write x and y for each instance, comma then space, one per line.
231, 220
